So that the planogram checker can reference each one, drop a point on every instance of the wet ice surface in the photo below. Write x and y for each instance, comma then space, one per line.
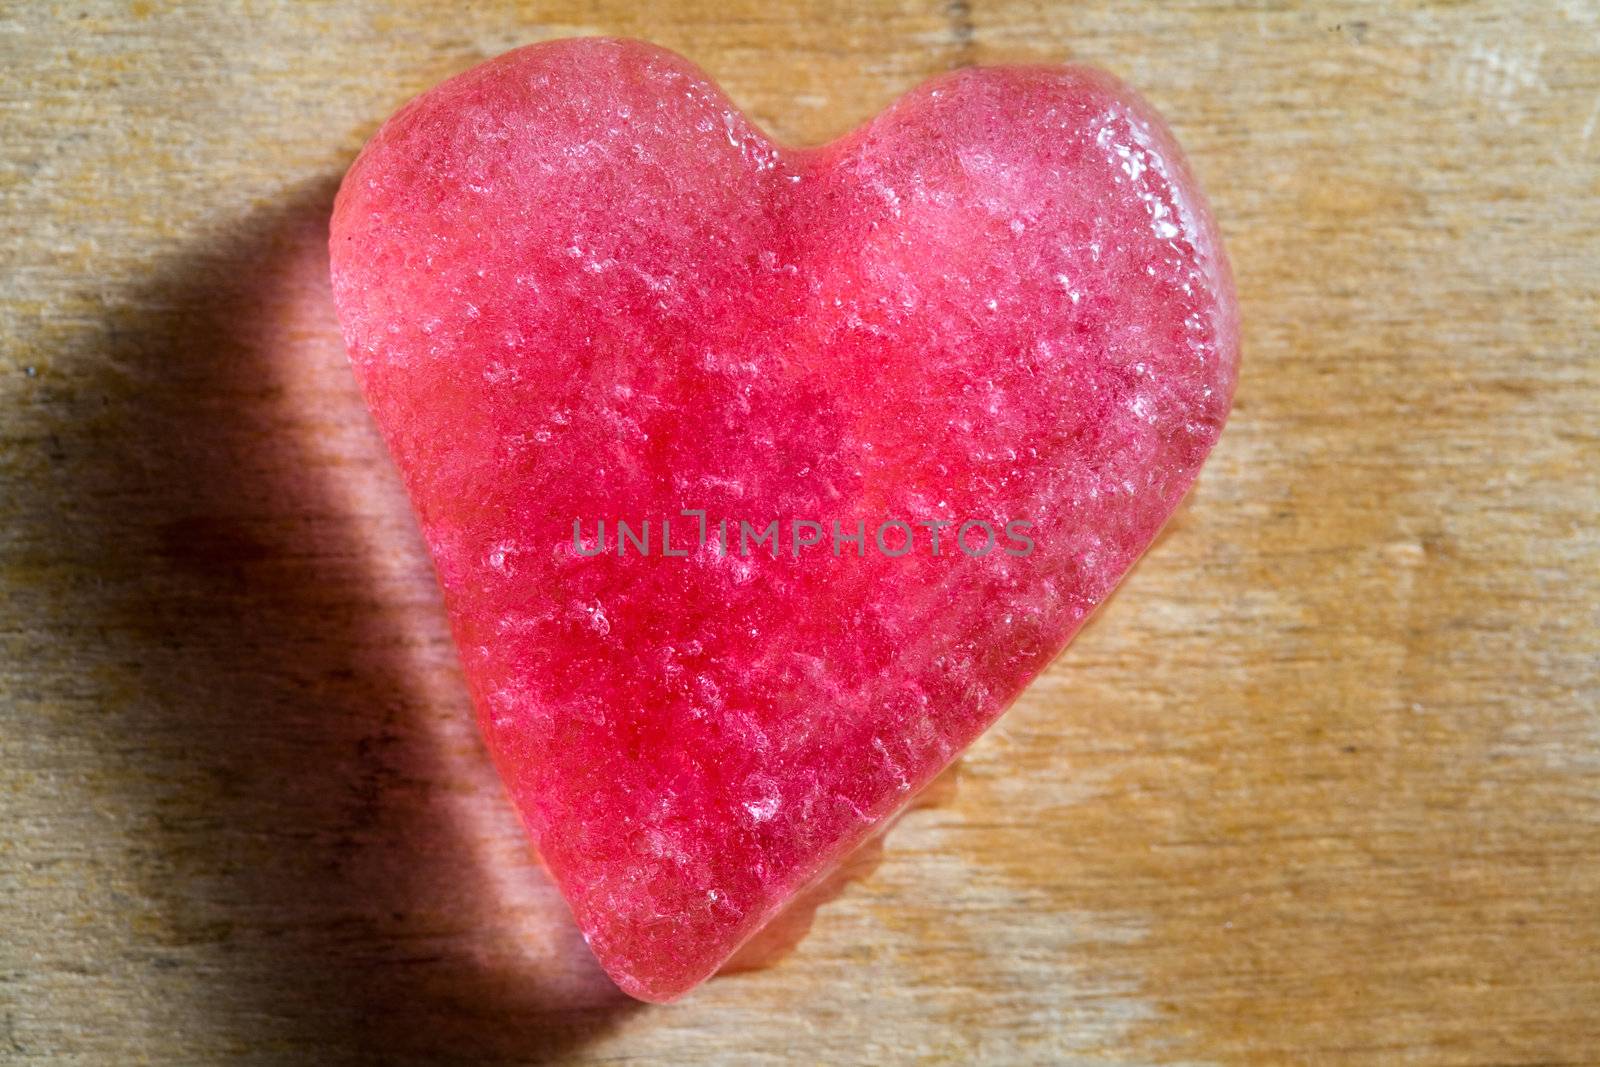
576, 284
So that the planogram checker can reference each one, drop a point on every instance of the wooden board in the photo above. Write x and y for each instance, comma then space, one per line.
1321, 784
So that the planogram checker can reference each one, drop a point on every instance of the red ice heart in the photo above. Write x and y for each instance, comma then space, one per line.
579, 287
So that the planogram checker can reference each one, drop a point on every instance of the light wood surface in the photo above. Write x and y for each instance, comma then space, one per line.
1321, 784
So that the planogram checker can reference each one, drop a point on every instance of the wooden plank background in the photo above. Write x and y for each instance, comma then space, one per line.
1321, 784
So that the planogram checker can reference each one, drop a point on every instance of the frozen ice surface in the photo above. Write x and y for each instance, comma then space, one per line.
577, 285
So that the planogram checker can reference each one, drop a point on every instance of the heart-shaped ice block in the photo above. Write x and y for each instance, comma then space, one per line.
968, 359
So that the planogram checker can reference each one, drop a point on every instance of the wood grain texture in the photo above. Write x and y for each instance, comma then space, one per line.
1321, 784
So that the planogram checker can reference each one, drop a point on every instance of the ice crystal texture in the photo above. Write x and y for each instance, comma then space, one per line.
578, 285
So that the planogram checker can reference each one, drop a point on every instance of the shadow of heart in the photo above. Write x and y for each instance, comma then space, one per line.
314, 830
